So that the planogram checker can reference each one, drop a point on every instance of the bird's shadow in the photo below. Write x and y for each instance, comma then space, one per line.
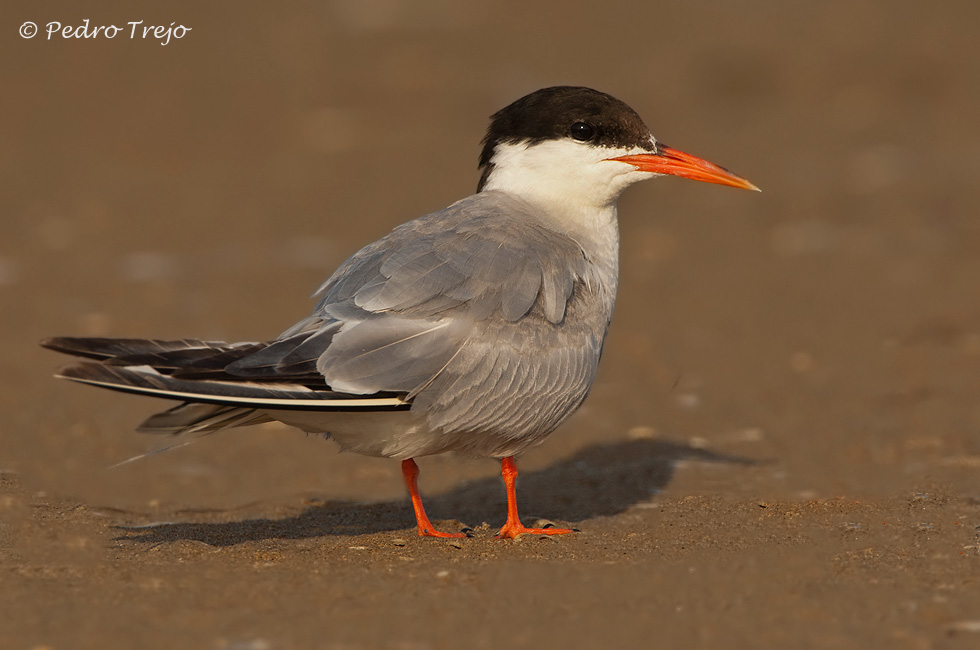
600, 480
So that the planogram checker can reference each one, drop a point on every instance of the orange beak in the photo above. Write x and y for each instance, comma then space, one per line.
677, 163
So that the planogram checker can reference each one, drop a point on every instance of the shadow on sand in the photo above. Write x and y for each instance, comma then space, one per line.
597, 481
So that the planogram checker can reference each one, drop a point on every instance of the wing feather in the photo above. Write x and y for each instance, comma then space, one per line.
398, 310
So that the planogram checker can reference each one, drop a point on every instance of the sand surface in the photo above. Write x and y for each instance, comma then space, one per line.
782, 447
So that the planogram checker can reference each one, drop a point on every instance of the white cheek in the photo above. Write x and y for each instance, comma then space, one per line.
562, 172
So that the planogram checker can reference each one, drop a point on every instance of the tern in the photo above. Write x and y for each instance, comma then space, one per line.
475, 329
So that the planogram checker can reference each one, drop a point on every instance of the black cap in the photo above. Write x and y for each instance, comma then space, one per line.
561, 112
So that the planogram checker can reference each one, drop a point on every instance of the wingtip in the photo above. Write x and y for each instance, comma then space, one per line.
52, 343
72, 371
74, 345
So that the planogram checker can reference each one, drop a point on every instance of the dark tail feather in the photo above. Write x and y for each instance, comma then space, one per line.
149, 381
160, 354
201, 418
194, 359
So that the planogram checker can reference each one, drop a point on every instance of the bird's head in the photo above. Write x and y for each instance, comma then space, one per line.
573, 146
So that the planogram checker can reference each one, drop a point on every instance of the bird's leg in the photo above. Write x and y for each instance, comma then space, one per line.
514, 527
411, 473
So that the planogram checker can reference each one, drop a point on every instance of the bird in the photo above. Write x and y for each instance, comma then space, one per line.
474, 329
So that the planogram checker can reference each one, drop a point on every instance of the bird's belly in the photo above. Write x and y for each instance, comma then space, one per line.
399, 434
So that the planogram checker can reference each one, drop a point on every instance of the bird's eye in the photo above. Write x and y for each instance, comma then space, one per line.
582, 131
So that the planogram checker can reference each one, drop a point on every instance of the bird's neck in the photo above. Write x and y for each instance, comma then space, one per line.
575, 199
594, 228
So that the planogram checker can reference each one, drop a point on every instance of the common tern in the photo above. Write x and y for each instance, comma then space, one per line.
476, 329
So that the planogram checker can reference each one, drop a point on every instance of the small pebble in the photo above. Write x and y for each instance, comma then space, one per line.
399, 541
965, 626
687, 400
641, 433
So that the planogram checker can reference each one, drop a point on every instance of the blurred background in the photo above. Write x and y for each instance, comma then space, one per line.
829, 326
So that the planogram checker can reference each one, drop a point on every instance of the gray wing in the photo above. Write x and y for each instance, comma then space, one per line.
485, 253
397, 312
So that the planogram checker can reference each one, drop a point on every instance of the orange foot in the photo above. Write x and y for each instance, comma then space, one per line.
514, 528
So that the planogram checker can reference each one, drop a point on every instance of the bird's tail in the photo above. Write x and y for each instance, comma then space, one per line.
201, 374
147, 365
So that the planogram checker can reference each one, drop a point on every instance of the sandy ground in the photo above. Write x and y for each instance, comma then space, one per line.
782, 448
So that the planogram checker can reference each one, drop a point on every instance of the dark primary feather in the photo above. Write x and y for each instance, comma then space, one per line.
191, 417
292, 356
187, 359
149, 351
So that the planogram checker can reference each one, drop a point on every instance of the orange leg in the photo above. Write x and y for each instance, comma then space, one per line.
411, 473
514, 527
